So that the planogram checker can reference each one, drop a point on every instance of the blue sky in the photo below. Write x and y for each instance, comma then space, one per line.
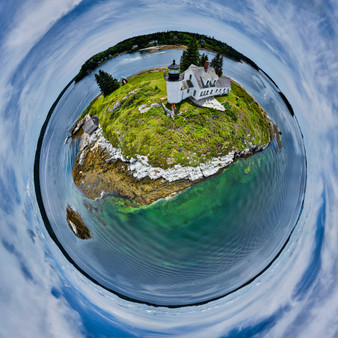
43, 45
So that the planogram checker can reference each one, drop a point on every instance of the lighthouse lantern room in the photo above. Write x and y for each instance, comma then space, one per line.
174, 84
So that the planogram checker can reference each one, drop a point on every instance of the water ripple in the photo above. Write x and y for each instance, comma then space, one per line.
42, 48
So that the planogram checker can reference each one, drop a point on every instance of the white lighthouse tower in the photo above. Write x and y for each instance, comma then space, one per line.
174, 84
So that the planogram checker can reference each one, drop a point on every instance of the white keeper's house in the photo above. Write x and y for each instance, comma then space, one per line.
201, 84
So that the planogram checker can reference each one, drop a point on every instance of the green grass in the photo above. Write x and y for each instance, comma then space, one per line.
194, 136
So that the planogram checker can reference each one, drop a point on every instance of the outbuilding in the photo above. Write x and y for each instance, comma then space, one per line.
91, 125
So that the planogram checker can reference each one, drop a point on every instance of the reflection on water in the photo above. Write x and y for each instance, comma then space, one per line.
43, 45
204, 243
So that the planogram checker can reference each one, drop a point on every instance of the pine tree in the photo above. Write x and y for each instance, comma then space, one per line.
204, 58
217, 63
190, 56
106, 82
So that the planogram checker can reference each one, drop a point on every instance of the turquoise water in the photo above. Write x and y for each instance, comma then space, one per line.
203, 243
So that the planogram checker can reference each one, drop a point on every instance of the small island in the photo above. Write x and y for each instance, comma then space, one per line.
76, 224
164, 130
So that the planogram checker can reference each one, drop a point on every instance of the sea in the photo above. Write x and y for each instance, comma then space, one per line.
251, 252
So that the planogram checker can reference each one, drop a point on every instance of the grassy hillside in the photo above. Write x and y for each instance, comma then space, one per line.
194, 136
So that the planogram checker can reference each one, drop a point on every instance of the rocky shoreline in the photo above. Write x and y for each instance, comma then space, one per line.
102, 169
140, 168
97, 176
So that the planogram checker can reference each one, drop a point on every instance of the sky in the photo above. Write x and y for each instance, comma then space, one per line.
43, 44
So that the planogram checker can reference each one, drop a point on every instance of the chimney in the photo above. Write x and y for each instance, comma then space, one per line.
206, 65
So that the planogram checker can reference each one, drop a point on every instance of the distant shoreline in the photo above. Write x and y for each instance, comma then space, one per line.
158, 41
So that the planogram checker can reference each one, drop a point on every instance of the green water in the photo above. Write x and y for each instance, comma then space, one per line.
194, 226
207, 241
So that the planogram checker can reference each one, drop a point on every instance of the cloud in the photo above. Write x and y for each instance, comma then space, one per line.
27, 278
288, 42
30, 22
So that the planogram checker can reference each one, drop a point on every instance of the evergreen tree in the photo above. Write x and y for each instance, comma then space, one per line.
190, 56
106, 82
183, 61
217, 63
204, 58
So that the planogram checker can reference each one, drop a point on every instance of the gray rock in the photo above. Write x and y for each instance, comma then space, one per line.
140, 167
117, 105
144, 110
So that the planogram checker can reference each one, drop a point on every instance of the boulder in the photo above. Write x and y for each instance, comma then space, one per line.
117, 105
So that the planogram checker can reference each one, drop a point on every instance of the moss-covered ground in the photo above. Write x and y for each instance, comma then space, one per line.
194, 136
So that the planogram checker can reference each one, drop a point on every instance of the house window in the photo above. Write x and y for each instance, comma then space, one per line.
188, 90
190, 76
211, 92
208, 83
194, 92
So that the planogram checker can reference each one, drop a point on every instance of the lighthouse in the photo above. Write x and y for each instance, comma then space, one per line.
174, 84
200, 84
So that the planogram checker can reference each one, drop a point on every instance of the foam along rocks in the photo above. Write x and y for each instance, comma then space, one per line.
140, 168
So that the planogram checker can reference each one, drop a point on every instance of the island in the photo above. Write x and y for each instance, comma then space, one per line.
76, 224
163, 131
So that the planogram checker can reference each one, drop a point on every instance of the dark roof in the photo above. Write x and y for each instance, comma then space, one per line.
91, 125
187, 84
174, 65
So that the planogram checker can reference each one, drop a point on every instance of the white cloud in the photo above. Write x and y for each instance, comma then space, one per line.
28, 307
304, 68
30, 22
33, 21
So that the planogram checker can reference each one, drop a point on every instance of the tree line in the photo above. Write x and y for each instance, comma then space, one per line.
107, 83
161, 38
